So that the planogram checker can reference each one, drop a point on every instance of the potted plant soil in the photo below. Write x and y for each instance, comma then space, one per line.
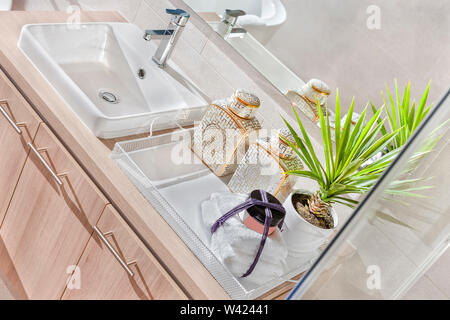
310, 217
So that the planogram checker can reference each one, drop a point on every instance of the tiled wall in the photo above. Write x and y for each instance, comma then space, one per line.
205, 57
435, 283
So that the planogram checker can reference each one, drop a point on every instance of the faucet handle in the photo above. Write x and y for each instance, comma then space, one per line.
180, 17
231, 16
178, 12
234, 13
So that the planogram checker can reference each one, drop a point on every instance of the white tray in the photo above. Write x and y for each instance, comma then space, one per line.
176, 191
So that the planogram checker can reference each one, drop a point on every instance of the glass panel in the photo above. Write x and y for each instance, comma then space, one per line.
390, 241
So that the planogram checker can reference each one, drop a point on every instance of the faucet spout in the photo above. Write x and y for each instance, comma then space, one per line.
168, 36
157, 34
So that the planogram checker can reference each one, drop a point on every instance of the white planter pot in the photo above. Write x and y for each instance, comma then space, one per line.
301, 237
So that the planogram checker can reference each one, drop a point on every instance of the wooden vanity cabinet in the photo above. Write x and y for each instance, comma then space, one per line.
115, 265
48, 210
49, 220
18, 126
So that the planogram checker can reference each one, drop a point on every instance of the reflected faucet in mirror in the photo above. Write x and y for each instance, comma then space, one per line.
168, 36
246, 28
227, 26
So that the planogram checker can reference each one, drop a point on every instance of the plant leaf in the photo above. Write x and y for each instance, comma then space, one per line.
326, 144
337, 123
421, 107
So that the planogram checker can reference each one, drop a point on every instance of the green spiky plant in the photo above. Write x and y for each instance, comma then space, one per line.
341, 174
403, 113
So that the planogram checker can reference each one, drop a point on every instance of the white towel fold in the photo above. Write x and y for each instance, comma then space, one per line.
236, 245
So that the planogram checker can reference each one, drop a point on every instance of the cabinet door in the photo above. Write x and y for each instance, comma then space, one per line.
49, 220
18, 126
116, 265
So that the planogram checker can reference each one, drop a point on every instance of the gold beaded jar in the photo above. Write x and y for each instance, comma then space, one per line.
306, 98
221, 139
264, 167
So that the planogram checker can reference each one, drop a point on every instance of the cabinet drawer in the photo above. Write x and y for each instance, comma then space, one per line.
18, 126
49, 221
116, 265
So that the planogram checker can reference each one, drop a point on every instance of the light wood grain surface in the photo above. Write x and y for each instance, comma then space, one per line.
13, 145
100, 276
44, 218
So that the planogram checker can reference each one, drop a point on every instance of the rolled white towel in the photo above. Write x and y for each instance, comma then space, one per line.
262, 273
249, 240
238, 238
226, 202
238, 262
236, 245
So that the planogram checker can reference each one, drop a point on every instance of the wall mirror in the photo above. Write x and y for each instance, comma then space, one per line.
356, 46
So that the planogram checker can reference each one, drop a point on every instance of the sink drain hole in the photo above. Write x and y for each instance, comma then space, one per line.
141, 73
108, 96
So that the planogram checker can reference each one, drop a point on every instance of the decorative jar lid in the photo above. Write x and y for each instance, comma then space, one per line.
319, 86
315, 90
286, 134
244, 104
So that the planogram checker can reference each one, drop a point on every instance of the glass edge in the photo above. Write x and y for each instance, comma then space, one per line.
304, 284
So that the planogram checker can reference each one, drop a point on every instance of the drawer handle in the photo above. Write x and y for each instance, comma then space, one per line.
113, 251
13, 124
54, 175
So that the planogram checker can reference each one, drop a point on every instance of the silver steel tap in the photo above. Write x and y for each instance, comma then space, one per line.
237, 32
231, 16
169, 36
227, 27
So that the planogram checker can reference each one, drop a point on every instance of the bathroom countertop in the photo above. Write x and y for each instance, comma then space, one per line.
94, 156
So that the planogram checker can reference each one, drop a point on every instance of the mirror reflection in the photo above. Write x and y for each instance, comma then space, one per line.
359, 47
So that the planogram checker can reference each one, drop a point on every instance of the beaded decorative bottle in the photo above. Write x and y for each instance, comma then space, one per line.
306, 98
221, 139
264, 167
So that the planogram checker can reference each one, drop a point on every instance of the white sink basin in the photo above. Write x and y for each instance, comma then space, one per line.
94, 67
